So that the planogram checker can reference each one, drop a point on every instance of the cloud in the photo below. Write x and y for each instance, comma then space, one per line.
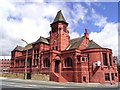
29, 20
23, 21
108, 37
98, 19
78, 13
74, 35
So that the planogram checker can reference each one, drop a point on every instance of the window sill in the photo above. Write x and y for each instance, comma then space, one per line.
45, 67
107, 80
67, 67
35, 65
107, 66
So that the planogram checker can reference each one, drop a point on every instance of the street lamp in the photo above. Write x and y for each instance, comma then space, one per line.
25, 59
37, 69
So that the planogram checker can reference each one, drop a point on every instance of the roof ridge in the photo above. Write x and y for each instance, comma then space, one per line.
76, 38
19, 46
42, 37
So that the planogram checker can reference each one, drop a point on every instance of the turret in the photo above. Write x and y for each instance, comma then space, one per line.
59, 34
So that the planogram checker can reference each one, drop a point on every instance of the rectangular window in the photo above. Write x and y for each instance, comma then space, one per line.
78, 59
64, 28
116, 74
36, 56
83, 59
28, 62
56, 47
84, 78
53, 48
105, 59
107, 77
110, 59
114, 61
112, 76
36, 62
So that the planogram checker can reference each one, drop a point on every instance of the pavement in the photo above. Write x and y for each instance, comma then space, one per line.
60, 84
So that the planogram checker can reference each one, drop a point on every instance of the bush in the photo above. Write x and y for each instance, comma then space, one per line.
118, 67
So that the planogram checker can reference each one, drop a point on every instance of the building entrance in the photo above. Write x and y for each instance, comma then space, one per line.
57, 65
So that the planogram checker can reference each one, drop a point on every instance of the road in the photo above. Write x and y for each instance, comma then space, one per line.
13, 84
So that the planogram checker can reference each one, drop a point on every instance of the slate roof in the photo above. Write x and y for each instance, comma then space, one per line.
75, 43
92, 44
29, 46
59, 17
42, 40
18, 48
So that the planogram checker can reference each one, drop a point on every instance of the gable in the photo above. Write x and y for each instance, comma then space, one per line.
42, 40
18, 48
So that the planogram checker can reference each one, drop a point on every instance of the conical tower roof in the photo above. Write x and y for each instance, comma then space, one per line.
59, 17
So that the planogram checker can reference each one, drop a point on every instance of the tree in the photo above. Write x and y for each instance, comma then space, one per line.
118, 67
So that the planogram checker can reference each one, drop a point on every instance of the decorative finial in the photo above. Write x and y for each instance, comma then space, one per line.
59, 11
86, 31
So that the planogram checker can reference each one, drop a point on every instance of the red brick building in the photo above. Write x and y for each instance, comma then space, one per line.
5, 64
76, 60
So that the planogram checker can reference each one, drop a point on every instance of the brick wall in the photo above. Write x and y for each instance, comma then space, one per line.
13, 75
40, 77
21, 76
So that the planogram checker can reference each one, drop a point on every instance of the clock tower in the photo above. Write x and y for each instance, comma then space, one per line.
59, 34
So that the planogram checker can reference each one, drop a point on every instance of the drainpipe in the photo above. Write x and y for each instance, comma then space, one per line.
89, 67
109, 74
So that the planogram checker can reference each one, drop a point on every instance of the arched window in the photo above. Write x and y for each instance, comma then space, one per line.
68, 62
46, 62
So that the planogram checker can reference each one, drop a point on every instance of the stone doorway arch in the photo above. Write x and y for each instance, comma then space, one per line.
57, 64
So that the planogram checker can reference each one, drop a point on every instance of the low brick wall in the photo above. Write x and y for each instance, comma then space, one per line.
21, 76
40, 77
13, 75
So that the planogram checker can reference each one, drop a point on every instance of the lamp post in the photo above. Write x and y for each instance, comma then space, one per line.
25, 75
37, 69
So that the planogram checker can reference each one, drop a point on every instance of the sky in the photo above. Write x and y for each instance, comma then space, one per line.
30, 19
